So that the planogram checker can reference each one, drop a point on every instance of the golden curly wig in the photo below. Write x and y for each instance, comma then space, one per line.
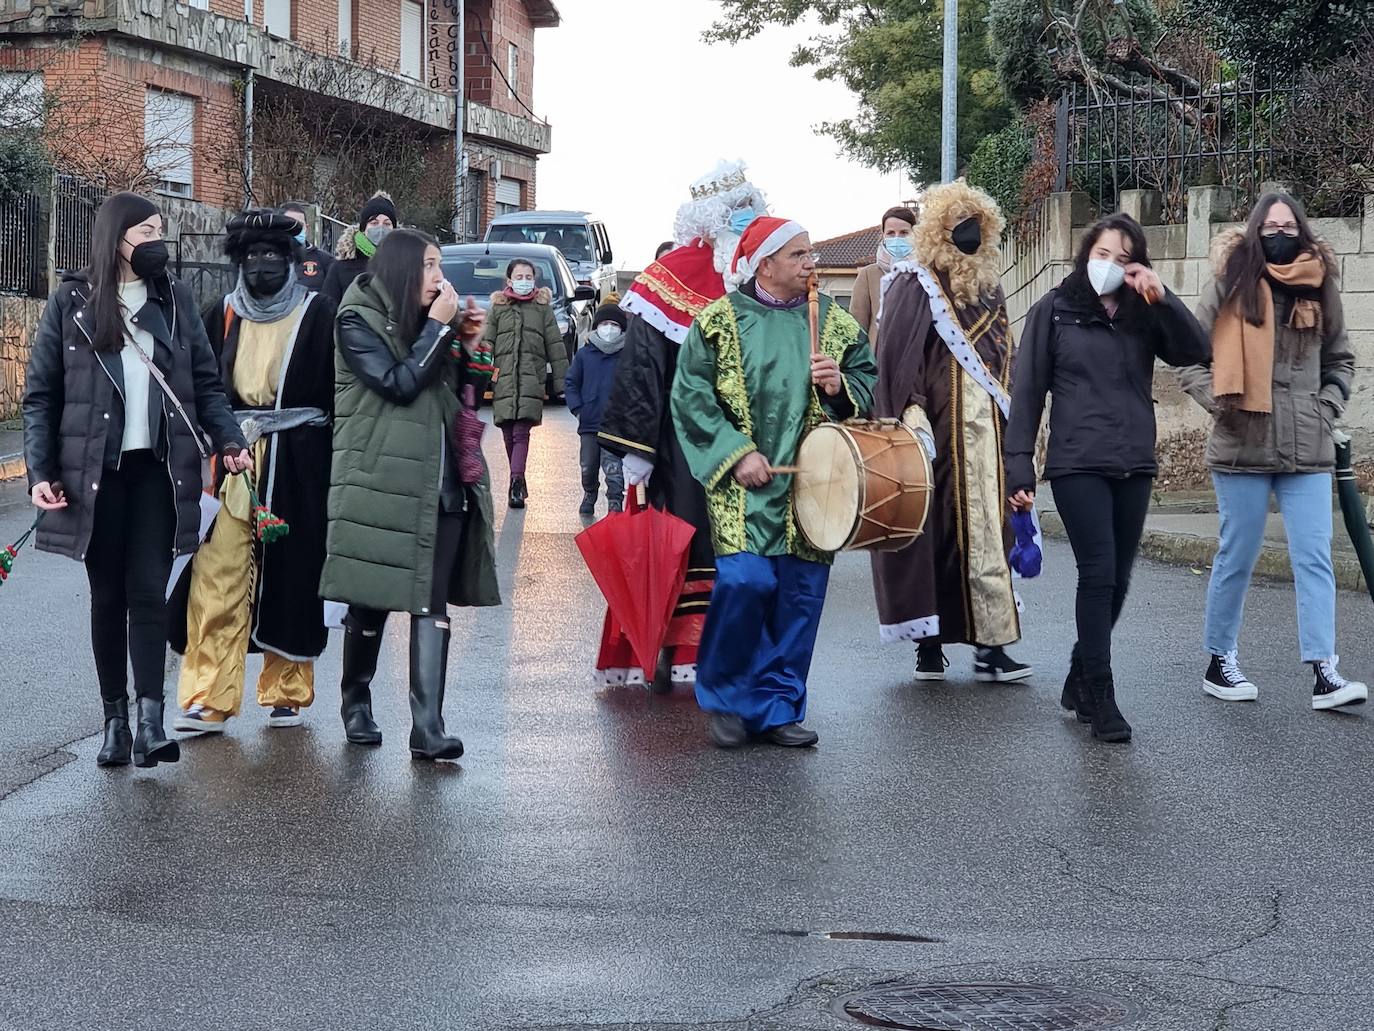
971, 276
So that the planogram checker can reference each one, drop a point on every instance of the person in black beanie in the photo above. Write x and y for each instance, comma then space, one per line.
586, 388
375, 221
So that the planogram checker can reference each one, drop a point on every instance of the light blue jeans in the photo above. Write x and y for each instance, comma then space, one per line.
1305, 503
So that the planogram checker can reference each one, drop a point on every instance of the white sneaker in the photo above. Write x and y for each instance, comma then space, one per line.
199, 720
1224, 680
1331, 690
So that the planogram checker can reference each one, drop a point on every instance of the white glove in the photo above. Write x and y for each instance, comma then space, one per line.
637, 470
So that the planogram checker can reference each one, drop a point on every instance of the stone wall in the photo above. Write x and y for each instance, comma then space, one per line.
18, 316
1180, 255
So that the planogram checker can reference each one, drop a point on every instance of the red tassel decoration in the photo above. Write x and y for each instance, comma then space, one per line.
11, 552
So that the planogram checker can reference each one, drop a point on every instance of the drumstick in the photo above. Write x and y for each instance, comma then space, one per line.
783, 470
813, 311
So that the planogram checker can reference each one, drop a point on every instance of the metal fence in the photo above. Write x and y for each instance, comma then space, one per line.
74, 204
1201, 133
23, 243
208, 281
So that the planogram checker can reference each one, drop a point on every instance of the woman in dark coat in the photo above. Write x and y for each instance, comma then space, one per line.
525, 344
275, 340
408, 532
104, 441
1092, 343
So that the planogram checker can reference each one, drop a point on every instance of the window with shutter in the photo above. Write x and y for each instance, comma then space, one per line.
412, 39
507, 196
346, 27
513, 68
169, 132
22, 95
276, 17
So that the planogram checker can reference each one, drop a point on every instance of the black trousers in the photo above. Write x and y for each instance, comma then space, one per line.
448, 543
128, 561
1104, 518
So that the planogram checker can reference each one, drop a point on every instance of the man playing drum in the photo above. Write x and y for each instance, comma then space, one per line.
944, 368
748, 388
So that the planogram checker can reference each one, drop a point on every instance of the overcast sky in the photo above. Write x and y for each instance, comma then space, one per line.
640, 107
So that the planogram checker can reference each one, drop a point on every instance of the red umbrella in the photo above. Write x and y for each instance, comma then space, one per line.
639, 560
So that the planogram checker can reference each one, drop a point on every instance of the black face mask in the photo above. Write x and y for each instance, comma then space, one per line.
265, 271
149, 259
1280, 249
968, 235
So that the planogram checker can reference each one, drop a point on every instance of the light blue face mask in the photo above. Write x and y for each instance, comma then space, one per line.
898, 247
740, 219
300, 238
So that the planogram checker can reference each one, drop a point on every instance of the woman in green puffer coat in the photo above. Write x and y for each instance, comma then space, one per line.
410, 520
526, 344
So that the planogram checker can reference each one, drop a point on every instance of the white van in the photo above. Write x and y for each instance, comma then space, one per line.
579, 237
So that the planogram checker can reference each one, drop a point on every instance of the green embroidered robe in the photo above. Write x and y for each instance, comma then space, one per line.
743, 384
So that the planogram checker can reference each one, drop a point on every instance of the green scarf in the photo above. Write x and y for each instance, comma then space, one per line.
365, 246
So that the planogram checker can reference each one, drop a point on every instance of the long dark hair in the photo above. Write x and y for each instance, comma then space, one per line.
1246, 265
1130, 231
112, 221
399, 266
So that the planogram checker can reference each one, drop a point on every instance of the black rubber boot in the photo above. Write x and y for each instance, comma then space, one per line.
119, 742
151, 745
1108, 723
1075, 698
359, 667
428, 675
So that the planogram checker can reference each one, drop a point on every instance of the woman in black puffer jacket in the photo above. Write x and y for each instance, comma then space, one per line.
1092, 342
113, 462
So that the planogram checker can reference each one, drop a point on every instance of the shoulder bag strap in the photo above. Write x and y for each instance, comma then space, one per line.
158, 378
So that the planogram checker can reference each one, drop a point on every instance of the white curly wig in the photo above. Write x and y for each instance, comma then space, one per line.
707, 216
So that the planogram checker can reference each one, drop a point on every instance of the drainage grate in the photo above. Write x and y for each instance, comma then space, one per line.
987, 1007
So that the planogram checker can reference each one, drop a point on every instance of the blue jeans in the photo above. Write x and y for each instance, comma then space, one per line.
1243, 503
759, 635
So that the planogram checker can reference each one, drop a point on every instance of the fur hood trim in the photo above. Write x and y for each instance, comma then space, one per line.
541, 296
345, 247
1225, 243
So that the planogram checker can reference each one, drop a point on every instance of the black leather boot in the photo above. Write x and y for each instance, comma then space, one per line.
359, 667
151, 745
518, 492
119, 742
1076, 698
428, 675
1108, 723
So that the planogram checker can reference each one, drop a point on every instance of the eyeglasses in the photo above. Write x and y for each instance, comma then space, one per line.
1274, 228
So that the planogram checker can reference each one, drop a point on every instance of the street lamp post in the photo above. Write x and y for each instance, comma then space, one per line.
949, 106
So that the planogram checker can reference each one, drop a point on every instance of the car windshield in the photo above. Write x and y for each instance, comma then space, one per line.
485, 274
573, 240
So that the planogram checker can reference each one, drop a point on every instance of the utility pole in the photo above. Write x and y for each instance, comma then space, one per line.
949, 106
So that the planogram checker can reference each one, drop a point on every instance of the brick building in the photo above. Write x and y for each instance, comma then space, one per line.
155, 94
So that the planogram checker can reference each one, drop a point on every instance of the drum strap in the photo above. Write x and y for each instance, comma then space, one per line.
947, 325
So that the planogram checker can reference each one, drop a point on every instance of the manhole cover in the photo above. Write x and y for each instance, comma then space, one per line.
987, 1007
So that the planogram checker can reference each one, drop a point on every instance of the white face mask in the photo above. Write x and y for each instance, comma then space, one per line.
609, 332
1105, 276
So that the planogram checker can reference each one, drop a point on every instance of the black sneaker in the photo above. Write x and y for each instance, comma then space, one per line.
995, 666
588, 506
285, 716
1224, 680
1331, 690
930, 662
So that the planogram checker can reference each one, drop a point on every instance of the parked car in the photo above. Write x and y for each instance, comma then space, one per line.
579, 237
478, 270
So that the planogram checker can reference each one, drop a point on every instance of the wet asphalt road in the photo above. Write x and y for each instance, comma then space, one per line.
594, 863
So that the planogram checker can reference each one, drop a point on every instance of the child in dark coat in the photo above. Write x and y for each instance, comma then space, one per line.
586, 388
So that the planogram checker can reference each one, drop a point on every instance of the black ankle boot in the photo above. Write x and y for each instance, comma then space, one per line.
428, 675
1076, 698
119, 742
518, 492
359, 667
1108, 723
151, 745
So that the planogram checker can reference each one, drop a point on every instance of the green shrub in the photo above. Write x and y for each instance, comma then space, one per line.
998, 165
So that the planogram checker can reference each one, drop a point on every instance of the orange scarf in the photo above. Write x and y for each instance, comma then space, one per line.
1243, 354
